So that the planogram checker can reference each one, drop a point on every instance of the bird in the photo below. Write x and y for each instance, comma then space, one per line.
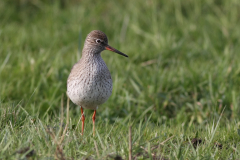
89, 83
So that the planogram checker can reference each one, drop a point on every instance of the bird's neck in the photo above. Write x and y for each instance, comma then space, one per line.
90, 55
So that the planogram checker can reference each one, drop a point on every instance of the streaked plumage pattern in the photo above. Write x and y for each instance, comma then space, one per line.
89, 83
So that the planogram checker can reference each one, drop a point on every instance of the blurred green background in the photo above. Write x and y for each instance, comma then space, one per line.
183, 60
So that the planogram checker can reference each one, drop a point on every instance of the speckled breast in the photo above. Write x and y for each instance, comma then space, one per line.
89, 85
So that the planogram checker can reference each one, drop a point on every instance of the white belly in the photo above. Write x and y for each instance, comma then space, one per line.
89, 95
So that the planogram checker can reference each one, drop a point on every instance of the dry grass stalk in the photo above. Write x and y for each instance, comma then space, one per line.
130, 143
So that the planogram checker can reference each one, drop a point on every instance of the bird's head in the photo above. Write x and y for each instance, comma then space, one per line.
98, 42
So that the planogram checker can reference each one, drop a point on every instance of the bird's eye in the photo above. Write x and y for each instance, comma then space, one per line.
98, 40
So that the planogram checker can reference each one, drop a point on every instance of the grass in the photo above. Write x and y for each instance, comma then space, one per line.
180, 82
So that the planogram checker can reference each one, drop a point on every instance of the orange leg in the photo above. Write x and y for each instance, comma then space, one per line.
83, 119
93, 118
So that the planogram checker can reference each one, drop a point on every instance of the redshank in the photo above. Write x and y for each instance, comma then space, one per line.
89, 83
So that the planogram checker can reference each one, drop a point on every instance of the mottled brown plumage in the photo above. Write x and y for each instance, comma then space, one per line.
89, 83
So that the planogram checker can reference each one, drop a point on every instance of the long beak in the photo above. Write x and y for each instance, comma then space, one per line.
107, 47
